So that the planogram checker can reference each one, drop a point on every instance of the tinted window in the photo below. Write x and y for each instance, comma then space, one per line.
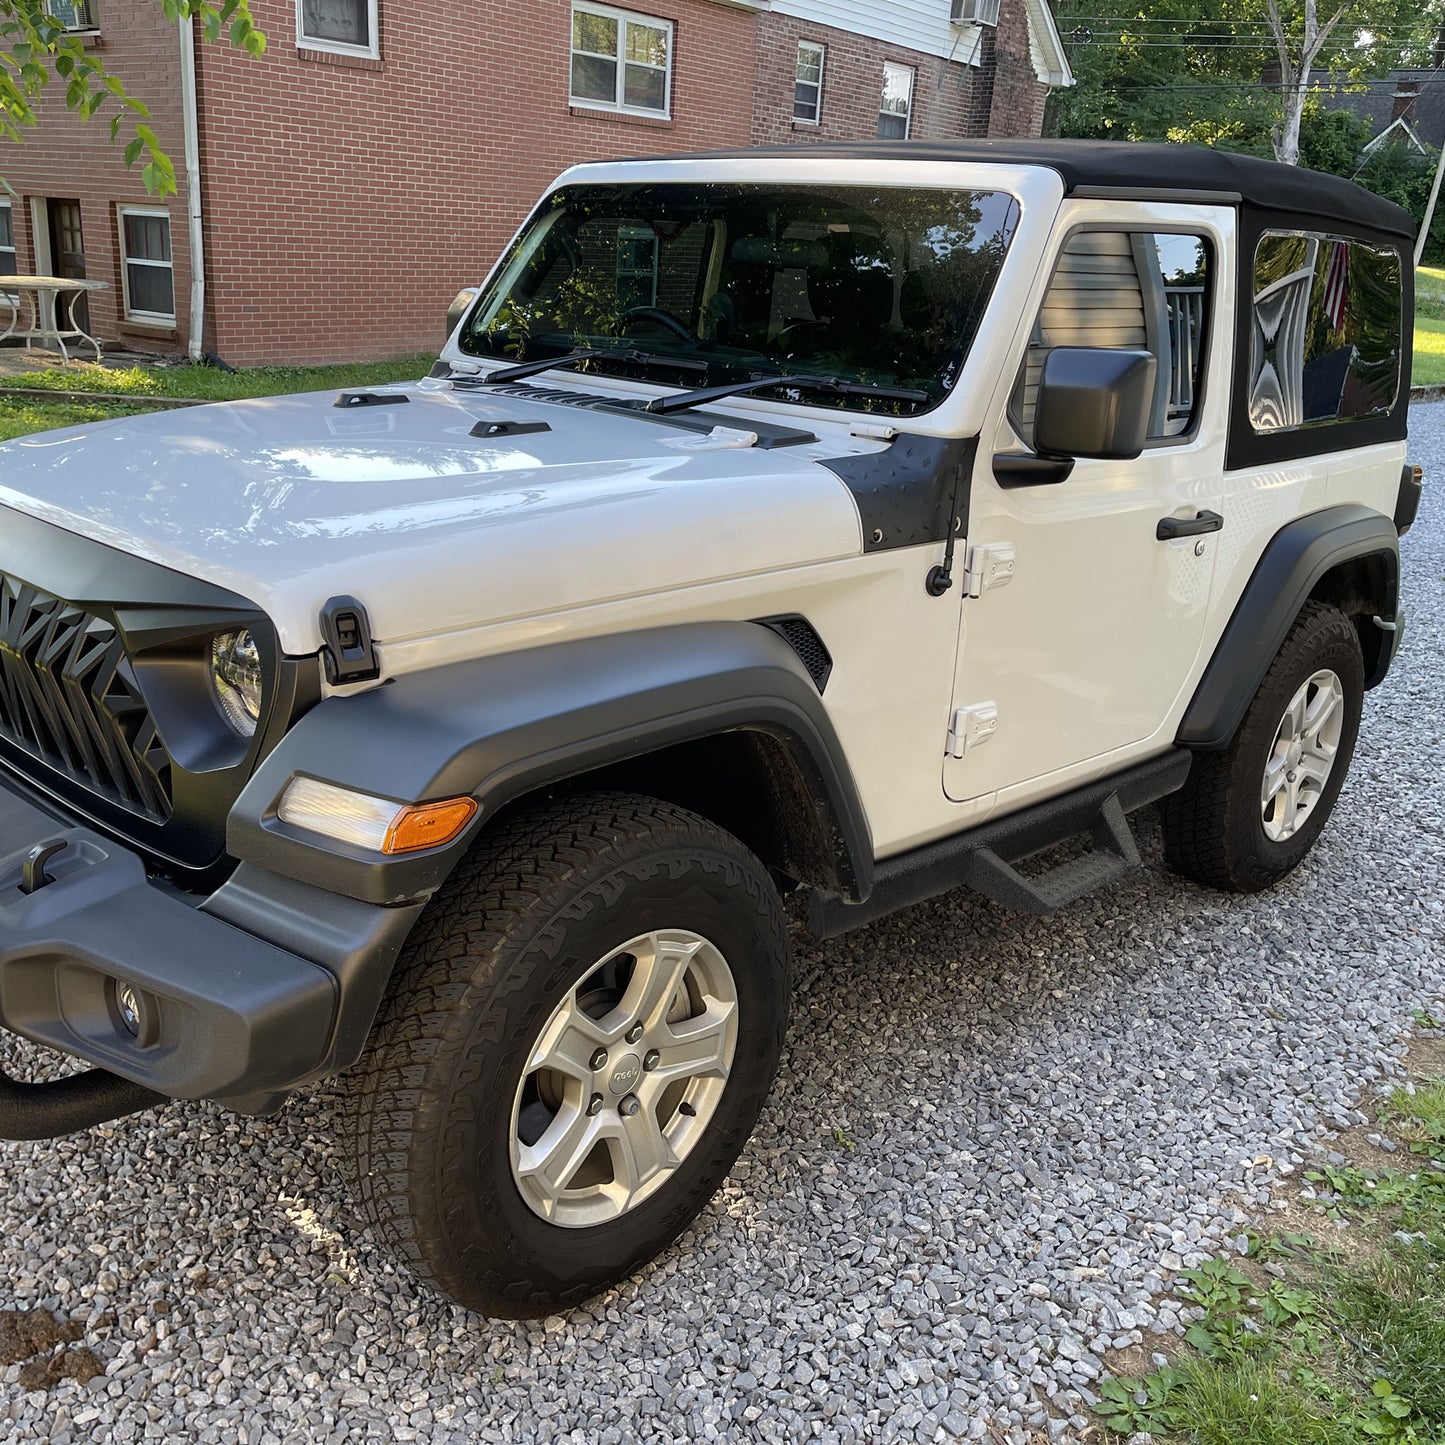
1326, 333
1134, 291
876, 284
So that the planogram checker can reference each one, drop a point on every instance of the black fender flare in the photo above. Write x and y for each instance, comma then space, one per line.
1294, 562
501, 726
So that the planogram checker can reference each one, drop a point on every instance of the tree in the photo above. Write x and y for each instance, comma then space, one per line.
35, 48
1298, 39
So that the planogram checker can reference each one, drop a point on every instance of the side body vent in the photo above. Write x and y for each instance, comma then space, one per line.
803, 638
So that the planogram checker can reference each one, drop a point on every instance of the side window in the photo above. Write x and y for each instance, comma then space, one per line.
1325, 342
1135, 291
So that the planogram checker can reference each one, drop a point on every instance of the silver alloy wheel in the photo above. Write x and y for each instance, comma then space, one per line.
624, 1079
1302, 756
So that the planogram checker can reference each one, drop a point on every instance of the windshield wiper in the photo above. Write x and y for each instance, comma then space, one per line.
831, 385
575, 358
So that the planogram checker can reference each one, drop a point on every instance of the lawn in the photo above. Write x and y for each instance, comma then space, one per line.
1330, 1333
19, 415
1429, 365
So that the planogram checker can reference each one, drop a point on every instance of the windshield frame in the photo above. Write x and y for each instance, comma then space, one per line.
1003, 191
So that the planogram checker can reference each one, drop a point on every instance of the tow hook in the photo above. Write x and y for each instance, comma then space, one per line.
33, 876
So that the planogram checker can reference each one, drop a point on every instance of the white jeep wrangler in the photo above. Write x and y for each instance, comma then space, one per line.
860, 520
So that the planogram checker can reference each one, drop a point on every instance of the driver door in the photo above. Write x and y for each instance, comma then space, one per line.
1086, 630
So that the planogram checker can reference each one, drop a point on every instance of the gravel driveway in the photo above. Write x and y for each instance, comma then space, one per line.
992, 1139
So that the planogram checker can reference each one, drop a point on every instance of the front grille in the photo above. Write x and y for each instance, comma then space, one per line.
69, 696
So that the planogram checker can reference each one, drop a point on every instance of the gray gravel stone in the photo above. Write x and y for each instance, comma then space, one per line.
1052, 1116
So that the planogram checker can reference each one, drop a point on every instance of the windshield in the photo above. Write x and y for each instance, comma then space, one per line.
880, 285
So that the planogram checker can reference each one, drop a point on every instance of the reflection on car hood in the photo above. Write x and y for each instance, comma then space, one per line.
292, 500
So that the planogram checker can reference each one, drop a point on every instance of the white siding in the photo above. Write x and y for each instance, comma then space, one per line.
916, 24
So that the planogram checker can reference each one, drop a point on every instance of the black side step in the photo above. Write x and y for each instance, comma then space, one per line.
982, 857
66, 1106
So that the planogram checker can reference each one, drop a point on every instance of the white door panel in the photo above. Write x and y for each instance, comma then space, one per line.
1088, 648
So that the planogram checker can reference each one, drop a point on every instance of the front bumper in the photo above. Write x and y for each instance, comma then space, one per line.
223, 1013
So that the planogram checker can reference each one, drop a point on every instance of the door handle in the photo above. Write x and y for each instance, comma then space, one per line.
1171, 527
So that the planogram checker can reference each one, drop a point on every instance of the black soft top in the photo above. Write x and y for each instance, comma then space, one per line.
1150, 171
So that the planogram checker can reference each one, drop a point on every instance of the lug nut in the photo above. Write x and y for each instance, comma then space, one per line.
634, 1033
599, 1059
1291, 777
629, 1107
652, 1060
594, 1106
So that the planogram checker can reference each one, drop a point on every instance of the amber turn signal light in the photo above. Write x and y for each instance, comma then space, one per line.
428, 825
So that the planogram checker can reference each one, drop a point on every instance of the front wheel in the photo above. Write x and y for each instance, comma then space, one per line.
1248, 815
574, 1050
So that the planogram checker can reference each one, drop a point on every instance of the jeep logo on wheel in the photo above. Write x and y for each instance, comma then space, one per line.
626, 1074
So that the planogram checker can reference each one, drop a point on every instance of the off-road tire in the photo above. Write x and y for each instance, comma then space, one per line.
1213, 827
428, 1110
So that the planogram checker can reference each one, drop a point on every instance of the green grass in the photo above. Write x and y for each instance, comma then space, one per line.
21, 415
1429, 364
1330, 1345
210, 383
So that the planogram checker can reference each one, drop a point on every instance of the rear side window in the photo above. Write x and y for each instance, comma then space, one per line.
1326, 343
1134, 291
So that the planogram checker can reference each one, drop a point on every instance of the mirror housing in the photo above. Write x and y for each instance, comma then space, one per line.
1094, 401
460, 303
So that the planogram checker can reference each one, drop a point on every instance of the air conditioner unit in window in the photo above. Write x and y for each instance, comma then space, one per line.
975, 12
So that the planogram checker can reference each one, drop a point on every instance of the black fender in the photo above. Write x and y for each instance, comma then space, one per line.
502, 726
1296, 560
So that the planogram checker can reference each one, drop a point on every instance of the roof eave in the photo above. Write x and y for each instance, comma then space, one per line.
1046, 46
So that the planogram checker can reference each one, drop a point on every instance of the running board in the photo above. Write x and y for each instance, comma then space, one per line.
982, 858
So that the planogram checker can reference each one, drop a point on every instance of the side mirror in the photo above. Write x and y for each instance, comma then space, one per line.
1094, 402
459, 306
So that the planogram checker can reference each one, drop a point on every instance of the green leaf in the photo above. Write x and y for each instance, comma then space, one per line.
1382, 1388
133, 150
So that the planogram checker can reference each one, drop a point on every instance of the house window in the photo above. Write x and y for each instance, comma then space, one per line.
347, 26
146, 270
73, 14
808, 84
621, 61
893, 113
7, 240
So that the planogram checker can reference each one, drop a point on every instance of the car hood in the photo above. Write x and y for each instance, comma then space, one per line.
292, 500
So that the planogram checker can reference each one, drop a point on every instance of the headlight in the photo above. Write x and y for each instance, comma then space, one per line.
236, 680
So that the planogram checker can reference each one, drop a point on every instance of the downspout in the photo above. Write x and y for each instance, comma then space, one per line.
189, 113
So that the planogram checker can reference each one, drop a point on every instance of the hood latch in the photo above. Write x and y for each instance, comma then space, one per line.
348, 655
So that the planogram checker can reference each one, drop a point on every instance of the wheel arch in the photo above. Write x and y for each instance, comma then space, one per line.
701, 714
1347, 555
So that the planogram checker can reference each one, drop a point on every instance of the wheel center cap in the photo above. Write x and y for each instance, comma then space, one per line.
625, 1074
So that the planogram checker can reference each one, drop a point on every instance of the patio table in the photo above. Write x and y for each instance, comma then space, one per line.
50, 304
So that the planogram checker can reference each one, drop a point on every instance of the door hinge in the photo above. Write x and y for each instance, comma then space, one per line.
972, 726
990, 565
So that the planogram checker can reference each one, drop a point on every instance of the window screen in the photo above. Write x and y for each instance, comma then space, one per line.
1326, 336
1130, 290
7, 241
808, 83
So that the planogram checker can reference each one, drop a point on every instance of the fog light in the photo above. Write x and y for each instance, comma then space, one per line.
380, 825
128, 1006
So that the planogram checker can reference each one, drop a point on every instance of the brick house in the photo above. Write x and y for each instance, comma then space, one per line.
376, 158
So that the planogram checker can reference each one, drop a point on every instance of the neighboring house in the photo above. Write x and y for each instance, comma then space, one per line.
378, 157
1407, 106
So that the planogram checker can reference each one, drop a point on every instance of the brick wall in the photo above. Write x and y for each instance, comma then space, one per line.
342, 221
70, 160
1000, 96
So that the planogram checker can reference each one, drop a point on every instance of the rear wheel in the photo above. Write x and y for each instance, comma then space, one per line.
1249, 814
575, 1048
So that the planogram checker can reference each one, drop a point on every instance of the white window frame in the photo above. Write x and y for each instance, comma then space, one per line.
167, 318
623, 18
822, 53
13, 248
912, 79
92, 29
371, 51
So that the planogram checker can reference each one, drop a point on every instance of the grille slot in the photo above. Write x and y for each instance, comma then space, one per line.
69, 696
803, 638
